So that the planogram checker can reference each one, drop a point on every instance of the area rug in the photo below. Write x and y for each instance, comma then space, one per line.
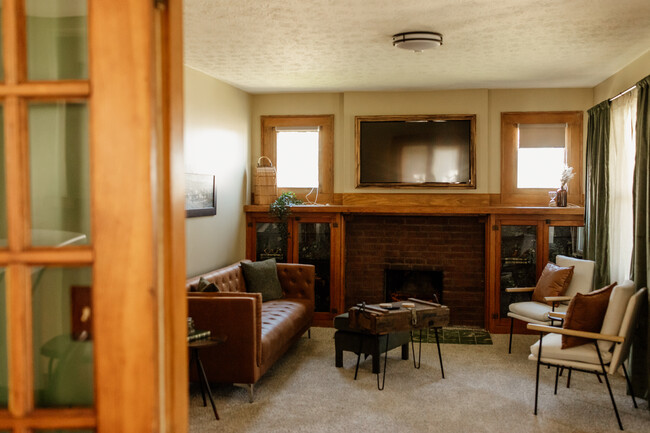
455, 335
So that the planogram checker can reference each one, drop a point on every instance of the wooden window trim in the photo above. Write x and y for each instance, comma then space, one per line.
325, 149
510, 194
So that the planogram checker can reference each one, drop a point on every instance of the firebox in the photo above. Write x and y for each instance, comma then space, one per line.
401, 283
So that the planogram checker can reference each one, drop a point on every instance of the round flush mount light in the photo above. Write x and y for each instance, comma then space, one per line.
417, 41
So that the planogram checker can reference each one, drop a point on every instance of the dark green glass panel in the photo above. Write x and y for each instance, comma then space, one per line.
63, 348
59, 173
4, 382
57, 41
518, 263
2, 58
3, 180
567, 241
271, 242
314, 248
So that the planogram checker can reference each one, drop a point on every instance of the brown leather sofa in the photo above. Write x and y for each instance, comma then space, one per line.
258, 333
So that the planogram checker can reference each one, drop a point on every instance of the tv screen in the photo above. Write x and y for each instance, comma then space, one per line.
411, 151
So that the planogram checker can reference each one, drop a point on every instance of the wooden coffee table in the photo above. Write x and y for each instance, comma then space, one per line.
380, 321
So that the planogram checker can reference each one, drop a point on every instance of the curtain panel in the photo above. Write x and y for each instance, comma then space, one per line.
597, 194
640, 358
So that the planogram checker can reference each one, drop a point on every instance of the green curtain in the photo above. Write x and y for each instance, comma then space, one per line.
640, 357
597, 197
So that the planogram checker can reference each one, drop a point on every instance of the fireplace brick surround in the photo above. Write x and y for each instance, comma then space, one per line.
454, 244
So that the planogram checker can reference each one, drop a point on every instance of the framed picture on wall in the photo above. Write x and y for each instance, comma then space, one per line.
200, 195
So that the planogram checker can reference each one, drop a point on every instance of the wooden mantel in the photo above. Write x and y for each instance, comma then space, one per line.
570, 210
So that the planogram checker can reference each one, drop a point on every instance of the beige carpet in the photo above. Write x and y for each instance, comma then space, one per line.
485, 390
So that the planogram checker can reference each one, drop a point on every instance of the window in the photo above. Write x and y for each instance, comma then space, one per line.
535, 148
301, 149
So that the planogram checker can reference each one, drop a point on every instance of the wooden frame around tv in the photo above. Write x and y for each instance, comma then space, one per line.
471, 184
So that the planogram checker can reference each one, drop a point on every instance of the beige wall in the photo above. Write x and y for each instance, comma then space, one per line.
486, 104
623, 79
217, 141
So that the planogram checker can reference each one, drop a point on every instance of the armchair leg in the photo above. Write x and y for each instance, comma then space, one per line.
512, 321
557, 375
309, 333
609, 388
629, 385
568, 378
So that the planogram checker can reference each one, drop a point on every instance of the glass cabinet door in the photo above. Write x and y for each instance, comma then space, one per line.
518, 263
566, 241
314, 248
271, 241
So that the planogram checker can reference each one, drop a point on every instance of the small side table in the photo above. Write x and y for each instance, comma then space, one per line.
195, 346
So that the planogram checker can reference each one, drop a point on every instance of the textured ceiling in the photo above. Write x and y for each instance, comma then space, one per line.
345, 45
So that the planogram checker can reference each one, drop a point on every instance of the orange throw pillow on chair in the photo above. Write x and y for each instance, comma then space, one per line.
553, 282
586, 313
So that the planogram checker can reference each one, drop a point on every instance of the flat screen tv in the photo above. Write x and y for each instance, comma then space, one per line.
416, 151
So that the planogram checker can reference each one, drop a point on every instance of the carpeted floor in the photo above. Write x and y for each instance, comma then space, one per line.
485, 390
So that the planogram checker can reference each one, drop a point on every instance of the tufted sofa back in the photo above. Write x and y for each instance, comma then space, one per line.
228, 279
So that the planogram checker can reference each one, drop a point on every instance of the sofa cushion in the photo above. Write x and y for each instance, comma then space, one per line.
281, 320
586, 313
533, 310
553, 282
262, 277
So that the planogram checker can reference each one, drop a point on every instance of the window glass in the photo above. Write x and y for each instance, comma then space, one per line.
59, 173
63, 348
297, 159
57, 42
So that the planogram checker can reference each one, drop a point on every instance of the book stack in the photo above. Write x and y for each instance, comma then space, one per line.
198, 334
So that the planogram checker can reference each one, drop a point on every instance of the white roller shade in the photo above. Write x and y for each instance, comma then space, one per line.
542, 135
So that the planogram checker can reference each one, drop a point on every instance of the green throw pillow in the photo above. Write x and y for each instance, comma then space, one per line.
262, 277
206, 286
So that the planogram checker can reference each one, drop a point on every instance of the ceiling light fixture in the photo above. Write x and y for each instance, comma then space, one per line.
417, 41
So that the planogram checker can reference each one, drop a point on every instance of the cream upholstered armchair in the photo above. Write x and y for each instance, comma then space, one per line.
603, 353
537, 312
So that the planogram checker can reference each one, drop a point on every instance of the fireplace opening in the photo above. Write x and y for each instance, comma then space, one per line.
401, 284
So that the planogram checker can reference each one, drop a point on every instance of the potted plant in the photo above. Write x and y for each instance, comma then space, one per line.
281, 209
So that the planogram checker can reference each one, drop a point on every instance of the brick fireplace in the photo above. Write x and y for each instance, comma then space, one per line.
454, 245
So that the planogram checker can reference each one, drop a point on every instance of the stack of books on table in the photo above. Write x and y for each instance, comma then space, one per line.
198, 335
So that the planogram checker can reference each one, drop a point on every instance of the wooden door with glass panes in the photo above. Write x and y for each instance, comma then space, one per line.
88, 203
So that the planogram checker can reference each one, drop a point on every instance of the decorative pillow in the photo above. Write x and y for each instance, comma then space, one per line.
206, 286
586, 313
553, 282
262, 277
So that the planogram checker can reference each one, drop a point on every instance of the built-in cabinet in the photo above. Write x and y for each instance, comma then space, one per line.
518, 243
313, 239
519, 248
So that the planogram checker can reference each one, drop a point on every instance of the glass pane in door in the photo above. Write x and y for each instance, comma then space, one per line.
3, 180
271, 242
63, 347
314, 249
59, 173
4, 383
518, 262
57, 42
566, 241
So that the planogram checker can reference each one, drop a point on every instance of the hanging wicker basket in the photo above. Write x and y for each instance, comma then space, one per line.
265, 190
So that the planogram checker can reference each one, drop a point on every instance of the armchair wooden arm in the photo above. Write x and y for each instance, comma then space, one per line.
575, 333
556, 315
520, 289
556, 299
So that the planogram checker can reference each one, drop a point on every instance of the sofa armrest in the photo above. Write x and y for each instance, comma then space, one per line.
235, 315
297, 280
